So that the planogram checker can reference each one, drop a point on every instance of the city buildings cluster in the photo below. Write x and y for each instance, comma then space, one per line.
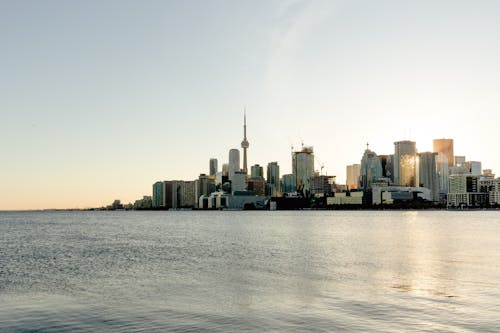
404, 178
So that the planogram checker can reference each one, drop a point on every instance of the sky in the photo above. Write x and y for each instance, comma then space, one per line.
100, 99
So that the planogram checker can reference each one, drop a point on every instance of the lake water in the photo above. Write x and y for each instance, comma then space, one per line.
300, 271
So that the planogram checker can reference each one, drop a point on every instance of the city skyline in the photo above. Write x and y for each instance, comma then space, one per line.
99, 100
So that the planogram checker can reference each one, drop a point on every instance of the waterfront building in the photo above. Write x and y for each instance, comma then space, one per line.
273, 179
289, 183
442, 166
495, 192
187, 194
405, 163
370, 170
245, 144
213, 167
256, 171
444, 146
234, 163
345, 198
428, 173
158, 198
391, 194
353, 172
463, 191
303, 168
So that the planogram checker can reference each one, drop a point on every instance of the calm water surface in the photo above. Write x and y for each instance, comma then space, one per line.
250, 271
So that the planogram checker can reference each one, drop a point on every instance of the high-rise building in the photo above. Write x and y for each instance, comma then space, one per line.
213, 168
158, 199
234, 163
257, 185
428, 173
464, 191
405, 163
239, 182
256, 171
387, 168
303, 168
289, 183
370, 170
473, 167
206, 185
352, 176
459, 161
273, 178
443, 173
444, 146
245, 144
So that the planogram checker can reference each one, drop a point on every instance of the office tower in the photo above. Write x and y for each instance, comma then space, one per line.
428, 173
473, 167
444, 146
213, 167
256, 171
352, 176
225, 169
387, 169
239, 182
172, 193
464, 190
459, 161
370, 170
289, 183
443, 173
273, 178
234, 163
405, 163
158, 195
303, 168
244, 143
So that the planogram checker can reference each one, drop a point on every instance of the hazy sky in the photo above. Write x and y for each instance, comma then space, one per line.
100, 99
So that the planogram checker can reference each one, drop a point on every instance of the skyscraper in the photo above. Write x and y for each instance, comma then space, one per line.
405, 163
303, 168
353, 173
428, 173
213, 168
234, 163
244, 143
370, 170
256, 171
444, 146
273, 178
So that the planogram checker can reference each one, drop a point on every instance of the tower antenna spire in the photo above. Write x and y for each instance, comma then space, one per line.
245, 144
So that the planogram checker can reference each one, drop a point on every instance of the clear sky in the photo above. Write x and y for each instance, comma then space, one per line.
100, 99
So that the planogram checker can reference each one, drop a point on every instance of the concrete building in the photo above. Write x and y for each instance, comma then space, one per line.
289, 183
387, 167
353, 172
158, 198
444, 146
234, 163
273, 179
213, 169
303, 168
405, 163
345, 198
494, 193
256, 171
387, 194
239, 182
205, 185
370, 170
463, 191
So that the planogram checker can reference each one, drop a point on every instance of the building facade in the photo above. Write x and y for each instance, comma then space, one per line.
405, 163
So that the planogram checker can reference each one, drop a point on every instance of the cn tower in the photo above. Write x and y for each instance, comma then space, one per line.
244, 143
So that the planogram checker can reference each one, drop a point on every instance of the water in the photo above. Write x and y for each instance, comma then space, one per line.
301, 271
